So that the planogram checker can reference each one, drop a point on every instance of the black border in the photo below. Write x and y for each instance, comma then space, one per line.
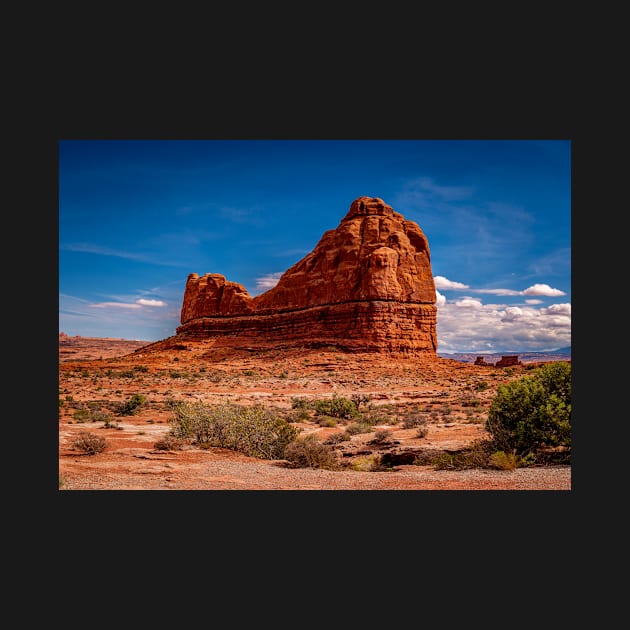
259, 108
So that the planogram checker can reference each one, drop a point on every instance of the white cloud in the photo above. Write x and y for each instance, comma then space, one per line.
533, 301
264, 283
512, 313
559, 309
444, 283
467, 325
115, 305
468, 302
439, 299
536, 289
542, 289
144, 302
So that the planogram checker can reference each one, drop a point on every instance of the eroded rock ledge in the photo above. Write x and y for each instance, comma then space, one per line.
366, 286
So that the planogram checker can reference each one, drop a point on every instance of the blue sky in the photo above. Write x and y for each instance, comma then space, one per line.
137, 216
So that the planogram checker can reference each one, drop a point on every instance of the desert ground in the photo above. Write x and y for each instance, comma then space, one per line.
96, 375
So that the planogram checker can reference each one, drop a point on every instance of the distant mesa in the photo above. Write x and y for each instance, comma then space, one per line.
367, 286
507, 360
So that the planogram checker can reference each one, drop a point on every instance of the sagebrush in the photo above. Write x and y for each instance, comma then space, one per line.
254, 431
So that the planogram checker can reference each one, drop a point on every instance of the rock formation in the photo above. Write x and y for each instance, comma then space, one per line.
367, 286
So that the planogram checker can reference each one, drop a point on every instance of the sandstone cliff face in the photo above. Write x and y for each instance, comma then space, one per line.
367, 286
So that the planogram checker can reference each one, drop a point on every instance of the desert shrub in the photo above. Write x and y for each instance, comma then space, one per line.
89, 443
109, 422
326, 421
414, 419
533, 412
309, 452
97, 415
302, 403
336, 407
130, 407
382, 437
299, 415
376, 416
336, 438
168, 443
477, 455
253, 431
367, 463
503, 461
82, 415
422, 431
360, 399
426, 457
470, 401
359, 427
448, 461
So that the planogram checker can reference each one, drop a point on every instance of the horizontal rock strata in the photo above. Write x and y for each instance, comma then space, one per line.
366, 286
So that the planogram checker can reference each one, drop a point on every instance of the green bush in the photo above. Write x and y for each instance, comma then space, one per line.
253, 431
336, 407
533, 412
82, 415
302, 403
367, 463
309, 452
504, 461
130, 407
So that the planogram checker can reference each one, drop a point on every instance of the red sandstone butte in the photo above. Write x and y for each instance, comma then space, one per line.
367, 286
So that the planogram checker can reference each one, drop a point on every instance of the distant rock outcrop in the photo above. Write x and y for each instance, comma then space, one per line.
367, 286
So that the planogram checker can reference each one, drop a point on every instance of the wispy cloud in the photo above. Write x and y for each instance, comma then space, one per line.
499, 230
90, 248
115, 305
264, 283
426, 189
140, 303
144, 302
552, 264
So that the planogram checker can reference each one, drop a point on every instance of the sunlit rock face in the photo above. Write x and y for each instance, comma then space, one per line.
366, 286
